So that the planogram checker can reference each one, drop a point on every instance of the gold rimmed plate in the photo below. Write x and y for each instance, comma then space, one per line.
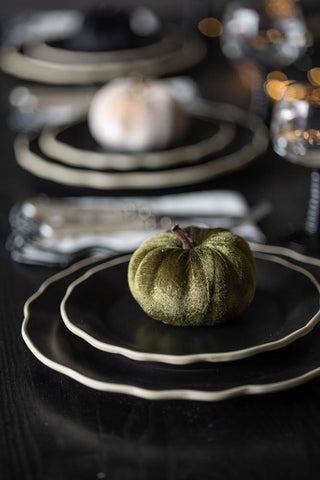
54, 345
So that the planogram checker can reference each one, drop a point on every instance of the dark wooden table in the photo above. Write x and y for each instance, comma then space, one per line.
53, 428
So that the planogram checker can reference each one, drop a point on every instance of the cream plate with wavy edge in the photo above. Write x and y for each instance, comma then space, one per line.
204, 170
49, 340
99, 308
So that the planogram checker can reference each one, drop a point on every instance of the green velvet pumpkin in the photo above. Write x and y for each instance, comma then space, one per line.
204, 281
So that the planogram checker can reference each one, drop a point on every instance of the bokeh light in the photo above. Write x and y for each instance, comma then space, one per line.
275, 84
314, 76
210, 27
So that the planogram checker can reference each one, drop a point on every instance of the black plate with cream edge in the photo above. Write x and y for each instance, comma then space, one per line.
250, 141
74, 47
54, 345
73, 145
99, 308
50, 64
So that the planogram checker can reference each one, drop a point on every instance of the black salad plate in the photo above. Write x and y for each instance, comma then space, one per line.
99, 308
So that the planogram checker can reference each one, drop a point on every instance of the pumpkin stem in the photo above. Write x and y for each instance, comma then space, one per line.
187, 243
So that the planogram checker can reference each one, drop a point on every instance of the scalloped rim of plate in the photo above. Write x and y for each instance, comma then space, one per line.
186, 358
174, 177
167, 394
54, 148
13, 62
44, 50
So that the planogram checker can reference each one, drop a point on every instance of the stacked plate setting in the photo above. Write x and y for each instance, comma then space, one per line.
84, 323
222, 138
48, 48
69, 47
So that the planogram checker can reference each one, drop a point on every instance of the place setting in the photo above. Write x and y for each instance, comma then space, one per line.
160, 239
210, 140
84, 323
106, 342
159, 295
75, 47
58, 120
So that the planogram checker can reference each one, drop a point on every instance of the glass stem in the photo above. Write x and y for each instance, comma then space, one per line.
312, 224
259, 102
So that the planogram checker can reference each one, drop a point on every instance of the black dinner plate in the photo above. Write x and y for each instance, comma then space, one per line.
55, 346
73, 145
250, 141
57, 66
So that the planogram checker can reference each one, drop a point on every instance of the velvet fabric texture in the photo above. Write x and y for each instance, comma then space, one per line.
204, 285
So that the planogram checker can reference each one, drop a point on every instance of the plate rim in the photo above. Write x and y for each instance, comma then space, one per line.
186, 359
14, 62
68, 154
170, 40
168, 394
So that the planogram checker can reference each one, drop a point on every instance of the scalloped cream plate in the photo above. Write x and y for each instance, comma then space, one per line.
54, 345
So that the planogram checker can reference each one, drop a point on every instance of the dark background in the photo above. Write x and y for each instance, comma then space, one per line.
16, 6
161, 6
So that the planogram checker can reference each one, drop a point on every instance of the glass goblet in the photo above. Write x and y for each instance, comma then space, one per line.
271, 34
295, 134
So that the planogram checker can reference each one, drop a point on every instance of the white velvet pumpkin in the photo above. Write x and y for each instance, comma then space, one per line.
136, 115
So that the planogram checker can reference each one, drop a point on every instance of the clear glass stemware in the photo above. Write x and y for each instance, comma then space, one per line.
269, 34
295, 133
